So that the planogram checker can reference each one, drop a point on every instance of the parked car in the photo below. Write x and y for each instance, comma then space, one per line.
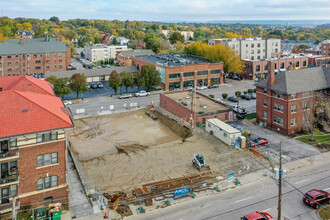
253, 95
219, 100
257, 216
100, 85
94, 85
189, 87
108, 65
67, 102
237, 78
246, 96
154, 117
201, 87
125, 96
240, 116
103, 66
142, 93
258, 142
315, 198
239, 109
88, 86
213, 87
99, 67
232, 99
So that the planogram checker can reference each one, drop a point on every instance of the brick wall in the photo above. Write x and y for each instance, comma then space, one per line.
59, 195
29, 173
325, 49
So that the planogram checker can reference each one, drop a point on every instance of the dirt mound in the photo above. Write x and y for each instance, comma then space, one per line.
133, 148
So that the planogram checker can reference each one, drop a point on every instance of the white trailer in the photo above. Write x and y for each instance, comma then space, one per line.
222, 130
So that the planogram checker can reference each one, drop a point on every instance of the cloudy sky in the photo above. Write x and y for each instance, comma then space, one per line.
168, 10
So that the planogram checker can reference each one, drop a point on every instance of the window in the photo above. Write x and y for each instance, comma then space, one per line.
9, 63
258, 45
293, 122
16, 61
174, 75
278, 107
265, 103
282, 65
258, 51
202, 73
306, 106
252, 51
59, 60
47, 137
252, 45
188, 74
293, 109
306, 94
246, 45
278, 120
47, 159
266, 67
265, 90
258, 58
47, 61
276, 50
60, 66
293, 96
13, 190
252, 57
218, 71
13, 142
265, 115
226, 116
35, 55
258, 68
9, 69
9, 57
304, 63
38, 67
38, 61
276, 44
278, 95
297, 64
47, 67
47, 182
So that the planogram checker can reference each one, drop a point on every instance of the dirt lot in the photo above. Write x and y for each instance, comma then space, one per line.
122, 151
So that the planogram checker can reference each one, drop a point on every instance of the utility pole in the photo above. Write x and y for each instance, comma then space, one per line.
280, 185
14, 212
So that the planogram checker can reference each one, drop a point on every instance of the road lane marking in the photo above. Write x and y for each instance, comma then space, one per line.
302, 181
326, 189
241, 200
266, 210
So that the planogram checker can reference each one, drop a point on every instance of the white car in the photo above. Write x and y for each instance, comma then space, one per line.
142, 93
67, 102
239, 109
201, 87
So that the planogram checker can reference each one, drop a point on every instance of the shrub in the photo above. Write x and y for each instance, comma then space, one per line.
212, 96
255, 90
250, 91
245, 92
224, 95
238, 93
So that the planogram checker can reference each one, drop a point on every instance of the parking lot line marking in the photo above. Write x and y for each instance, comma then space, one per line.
241, 200
302, 181
326, 189
266, 210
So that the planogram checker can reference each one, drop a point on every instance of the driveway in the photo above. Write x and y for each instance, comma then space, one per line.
292, 149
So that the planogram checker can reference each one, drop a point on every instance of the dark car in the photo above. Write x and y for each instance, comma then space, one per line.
253, 95
237, 78
315, 198
104, 66
240, 116
94, 85
232, 99
246, 96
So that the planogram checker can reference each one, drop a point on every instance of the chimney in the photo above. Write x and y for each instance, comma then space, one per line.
271, 74
21, 41
46, 36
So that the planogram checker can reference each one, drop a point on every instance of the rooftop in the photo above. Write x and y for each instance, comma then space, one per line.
132, 53
240, 39
223, 125
32, 46
203, 104
174, 60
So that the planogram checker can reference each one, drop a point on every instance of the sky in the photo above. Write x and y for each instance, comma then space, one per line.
168, 10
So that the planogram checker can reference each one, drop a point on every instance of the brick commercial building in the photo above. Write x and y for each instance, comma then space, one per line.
179, 71
124, 58
33, 56
284, 99
325, 48
178, 103
258, 69
33, 143
252, 48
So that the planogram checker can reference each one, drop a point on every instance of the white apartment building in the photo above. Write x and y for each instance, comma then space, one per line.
252, 48
102, 52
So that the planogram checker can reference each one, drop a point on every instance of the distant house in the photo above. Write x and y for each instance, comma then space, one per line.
123, 40
124, 58
24, 34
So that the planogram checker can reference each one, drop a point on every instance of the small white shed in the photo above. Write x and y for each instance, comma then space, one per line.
222, 130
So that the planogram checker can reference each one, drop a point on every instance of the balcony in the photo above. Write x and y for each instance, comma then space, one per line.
12, 177
8, 154
7, 207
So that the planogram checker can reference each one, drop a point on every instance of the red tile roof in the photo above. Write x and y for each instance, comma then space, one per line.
24, 111
26, 83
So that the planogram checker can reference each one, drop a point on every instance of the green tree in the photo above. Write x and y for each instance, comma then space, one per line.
238, 94
153, 41
54, 19
140, 81
61, 87
176, 36
127, 79
114, 81
212, 96
114, 41
78, 83
151, 76
224, 95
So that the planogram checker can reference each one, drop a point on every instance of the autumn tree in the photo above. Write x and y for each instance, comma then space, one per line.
153, 41
150, 75
231, 35
114, 81
127, 79
78, 83
175, 37
246, 32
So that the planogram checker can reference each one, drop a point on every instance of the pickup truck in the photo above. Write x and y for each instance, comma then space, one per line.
142, 93
238, 109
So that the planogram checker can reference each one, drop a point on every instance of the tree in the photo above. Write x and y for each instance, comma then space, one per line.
78, 83
114, 41
224, 95
140, 81
153, 41
61, 87
176, 36
238, 94
212, 96
54, 19
246, 32
127, 79
114, 81
151, 76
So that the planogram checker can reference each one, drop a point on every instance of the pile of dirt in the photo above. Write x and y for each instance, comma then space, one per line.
133, 148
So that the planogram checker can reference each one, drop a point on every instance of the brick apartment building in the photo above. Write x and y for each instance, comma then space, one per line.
258, 69
282, 98
204, 108
325, 48
33, 56
124, 58
179, 71
32, 143
252, 48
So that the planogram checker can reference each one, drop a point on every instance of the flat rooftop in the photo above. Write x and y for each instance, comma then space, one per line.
174, 60
210, 106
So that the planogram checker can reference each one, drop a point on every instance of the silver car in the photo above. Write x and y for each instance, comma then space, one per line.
125, 96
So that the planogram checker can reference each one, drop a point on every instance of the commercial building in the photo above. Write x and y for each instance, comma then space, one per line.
93, 75
179, 104
33, 143
325, 48
284, 99
102, 52
33, 56
252, 48
124, 58
179, 71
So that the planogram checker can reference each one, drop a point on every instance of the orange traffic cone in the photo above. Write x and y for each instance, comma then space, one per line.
105, 215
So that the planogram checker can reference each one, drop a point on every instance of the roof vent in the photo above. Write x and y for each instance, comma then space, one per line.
0, 89
25, 110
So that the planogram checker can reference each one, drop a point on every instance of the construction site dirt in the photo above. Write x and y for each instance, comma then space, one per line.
123, 151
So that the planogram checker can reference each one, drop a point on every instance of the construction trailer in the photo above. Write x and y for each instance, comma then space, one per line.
222, 131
